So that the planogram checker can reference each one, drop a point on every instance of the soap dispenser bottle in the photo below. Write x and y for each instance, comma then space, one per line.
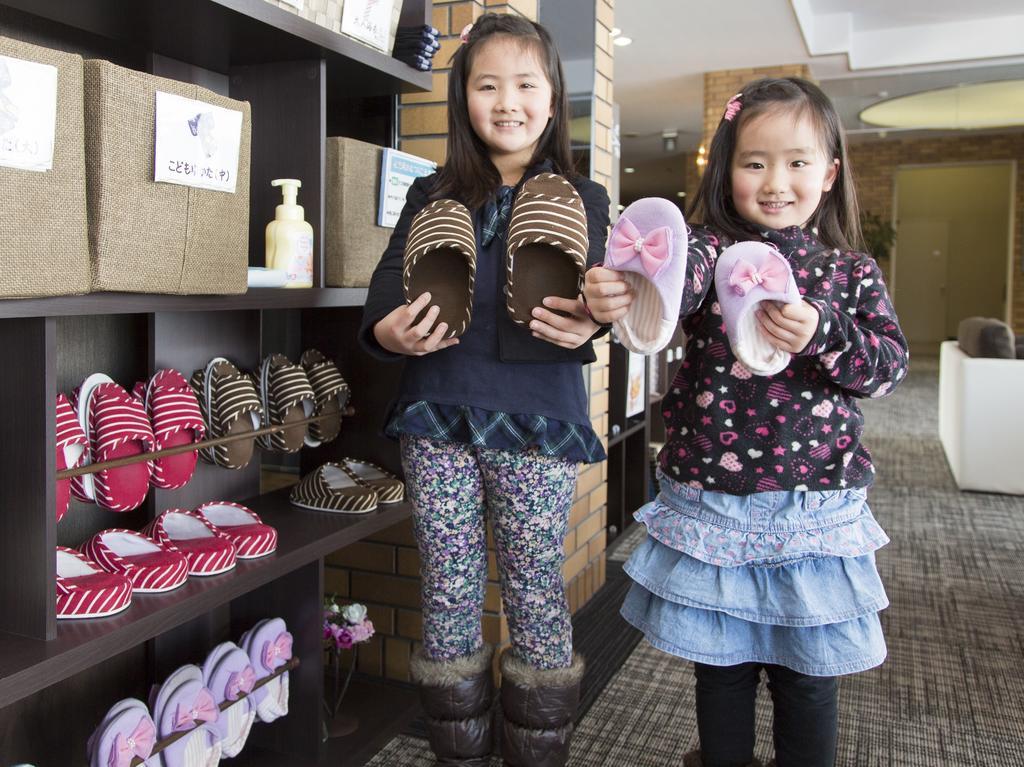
290, 238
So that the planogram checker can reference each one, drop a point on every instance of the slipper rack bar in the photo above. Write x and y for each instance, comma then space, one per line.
162, 744
92, 468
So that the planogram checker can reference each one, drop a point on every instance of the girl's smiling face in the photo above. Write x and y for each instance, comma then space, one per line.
509, 99
779, 170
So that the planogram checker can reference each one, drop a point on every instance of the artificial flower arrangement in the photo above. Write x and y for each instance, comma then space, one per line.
344, 628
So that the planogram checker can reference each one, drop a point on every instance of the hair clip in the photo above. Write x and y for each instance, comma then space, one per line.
464, 34
733, 107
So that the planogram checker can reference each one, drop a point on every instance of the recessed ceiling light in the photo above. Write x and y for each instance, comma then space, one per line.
629, 170
621, 207
622, 41
680, 194
615, 32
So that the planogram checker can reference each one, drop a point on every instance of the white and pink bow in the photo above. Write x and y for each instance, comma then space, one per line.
204, 709
138, 744
627, 244
240, 683
772, 275
278, 652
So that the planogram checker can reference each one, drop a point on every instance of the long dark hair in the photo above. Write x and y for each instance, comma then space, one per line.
468, 174
837, 218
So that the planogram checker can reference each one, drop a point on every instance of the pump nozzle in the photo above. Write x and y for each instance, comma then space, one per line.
288, 210
290, 189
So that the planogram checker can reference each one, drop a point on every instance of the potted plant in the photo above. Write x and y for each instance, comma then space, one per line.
344, 629
879, 235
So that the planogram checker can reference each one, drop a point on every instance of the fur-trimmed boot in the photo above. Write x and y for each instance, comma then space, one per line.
457, 697
692, 759
539, 708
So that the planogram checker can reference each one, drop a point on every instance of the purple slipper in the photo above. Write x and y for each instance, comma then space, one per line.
648, 243
229, 675
746, 274
189, 708
269, 646
127, 731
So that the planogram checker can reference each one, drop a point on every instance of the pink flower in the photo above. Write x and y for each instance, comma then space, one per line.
361, 631
342, 637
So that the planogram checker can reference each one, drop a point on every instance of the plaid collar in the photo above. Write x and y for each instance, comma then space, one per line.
496, 214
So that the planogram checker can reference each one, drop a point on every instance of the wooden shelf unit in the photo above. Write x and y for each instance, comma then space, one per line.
304, 83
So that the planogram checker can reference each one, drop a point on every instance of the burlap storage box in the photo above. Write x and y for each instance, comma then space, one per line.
149, 237
326, 13
354, 241
44, 247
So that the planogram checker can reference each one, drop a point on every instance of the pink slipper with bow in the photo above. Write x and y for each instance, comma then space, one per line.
746, 274
648, 244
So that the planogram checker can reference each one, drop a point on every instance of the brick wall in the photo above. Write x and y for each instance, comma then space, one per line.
875, 163
383, 571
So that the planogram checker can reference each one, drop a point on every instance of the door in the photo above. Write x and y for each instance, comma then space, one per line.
923, 253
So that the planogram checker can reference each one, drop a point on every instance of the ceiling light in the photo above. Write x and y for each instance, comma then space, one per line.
622, 41
680, 194
971, 106
615, 32
621, 208
629, 170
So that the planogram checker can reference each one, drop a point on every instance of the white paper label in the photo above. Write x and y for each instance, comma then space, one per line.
196, 143
28, 114
398, 171
368, 20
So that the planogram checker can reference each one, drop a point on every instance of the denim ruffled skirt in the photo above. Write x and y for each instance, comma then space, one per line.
786, 578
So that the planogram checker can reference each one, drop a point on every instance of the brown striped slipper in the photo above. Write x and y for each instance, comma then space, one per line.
230, 407
331, 394
287, 397
389, 488
330, 488
547, 245
440, 258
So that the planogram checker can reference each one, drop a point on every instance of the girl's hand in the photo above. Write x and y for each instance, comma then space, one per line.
608, 295
569, 332
399, 333
789, 327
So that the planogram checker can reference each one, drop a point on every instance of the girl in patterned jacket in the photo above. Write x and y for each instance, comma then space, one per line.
493, 424
760, 546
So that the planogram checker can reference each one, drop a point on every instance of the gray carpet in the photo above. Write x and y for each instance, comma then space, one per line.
952, 689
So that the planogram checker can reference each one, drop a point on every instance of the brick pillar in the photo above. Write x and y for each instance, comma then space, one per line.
383, 571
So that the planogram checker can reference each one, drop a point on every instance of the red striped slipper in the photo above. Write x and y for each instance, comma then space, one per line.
331, 392
287, 397
72, 447
208, 552
84, 590
242, 526
149, 566
117, 427
174, 412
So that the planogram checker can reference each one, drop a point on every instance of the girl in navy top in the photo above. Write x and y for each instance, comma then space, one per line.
760, 547
493, 424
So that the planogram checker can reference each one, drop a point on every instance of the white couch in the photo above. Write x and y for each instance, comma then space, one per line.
981, 420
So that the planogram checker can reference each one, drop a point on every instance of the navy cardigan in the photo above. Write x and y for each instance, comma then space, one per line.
497, 365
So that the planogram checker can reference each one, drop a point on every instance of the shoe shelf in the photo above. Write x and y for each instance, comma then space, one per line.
304, 536
146, 303
218, 35
304, 83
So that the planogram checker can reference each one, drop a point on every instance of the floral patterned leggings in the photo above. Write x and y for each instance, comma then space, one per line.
455, 489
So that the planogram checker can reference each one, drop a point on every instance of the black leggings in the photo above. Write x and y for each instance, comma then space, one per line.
806, 715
